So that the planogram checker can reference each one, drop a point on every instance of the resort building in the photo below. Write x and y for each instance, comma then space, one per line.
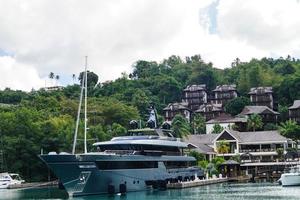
53, 88
194, 96
294, 111
262, 96
267, 114
177, 108
227, 122
222, 94
252, 147
209, 111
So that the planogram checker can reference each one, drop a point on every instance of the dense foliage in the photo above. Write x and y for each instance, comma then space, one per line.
46, 119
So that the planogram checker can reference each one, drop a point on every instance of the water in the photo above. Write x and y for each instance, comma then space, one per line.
225, 191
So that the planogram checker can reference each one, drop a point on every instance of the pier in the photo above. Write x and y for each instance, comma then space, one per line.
196, 183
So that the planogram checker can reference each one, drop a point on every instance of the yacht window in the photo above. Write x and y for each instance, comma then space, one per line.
179, 164
105, 165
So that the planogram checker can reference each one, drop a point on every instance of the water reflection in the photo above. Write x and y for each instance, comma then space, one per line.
225, 191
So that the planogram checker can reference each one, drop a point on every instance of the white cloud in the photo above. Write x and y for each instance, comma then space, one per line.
17, 75
54, 36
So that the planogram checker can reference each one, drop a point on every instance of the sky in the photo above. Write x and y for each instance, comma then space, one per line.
42, 36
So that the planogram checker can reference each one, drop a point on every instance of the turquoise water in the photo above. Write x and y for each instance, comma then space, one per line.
230, 191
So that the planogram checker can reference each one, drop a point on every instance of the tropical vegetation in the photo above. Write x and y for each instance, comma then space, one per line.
42, 120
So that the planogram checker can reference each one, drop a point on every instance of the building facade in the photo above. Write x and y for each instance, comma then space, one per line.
177, 108
223, 94
267, 114
294, 111
194, 96
262, 96
252, 147
209, 111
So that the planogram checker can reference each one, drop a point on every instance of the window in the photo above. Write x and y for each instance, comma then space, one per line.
106, 165
179, 164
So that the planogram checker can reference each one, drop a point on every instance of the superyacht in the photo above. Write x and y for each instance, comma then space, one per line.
147, 158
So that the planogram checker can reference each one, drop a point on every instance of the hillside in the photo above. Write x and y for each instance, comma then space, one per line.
45, 119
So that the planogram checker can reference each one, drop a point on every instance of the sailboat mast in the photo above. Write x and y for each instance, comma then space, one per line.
85, 107
78, 115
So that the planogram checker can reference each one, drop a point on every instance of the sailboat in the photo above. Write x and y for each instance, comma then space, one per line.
147, 158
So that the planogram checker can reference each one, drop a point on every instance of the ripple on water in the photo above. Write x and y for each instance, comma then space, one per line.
225, 191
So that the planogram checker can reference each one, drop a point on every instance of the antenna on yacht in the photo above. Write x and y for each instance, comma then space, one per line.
83, 86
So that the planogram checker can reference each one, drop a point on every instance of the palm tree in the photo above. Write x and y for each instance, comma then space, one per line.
199, 124
290, 129
217, 128
74, 77
51, 76
180, 126
254, 122
223, 147
57, 78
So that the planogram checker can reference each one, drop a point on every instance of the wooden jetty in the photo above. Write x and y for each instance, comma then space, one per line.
196, 183
33, 185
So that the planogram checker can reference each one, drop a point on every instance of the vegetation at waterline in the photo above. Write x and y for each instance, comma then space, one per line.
45, 119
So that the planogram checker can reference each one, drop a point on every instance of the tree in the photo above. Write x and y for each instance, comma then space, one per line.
254, 122
285, 69
199, 124
217, 128
51, 76
74, 78
57, 78
180, 127
91, 76
236, 105
290, 129
284, 113
223, 147
280, 153
198, 156
270, 126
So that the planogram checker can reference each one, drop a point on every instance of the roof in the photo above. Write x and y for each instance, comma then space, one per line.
249, 110
201, 139
208, 108
295, 105
261, 90
202, 142
158, 142
177, 106
205, 149
226, 118
221, 88
242, 137
258, 136
230, 162
195, 87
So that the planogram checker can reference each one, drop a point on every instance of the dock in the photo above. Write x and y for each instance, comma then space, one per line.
196, 183
33, 185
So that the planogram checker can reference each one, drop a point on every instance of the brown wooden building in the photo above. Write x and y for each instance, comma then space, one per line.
177, 108
222, 94
267, 114
194, 96
209, 111
294, 111
262, 96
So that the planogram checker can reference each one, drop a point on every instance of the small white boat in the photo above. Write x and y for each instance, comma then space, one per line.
7, 179
291, 178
